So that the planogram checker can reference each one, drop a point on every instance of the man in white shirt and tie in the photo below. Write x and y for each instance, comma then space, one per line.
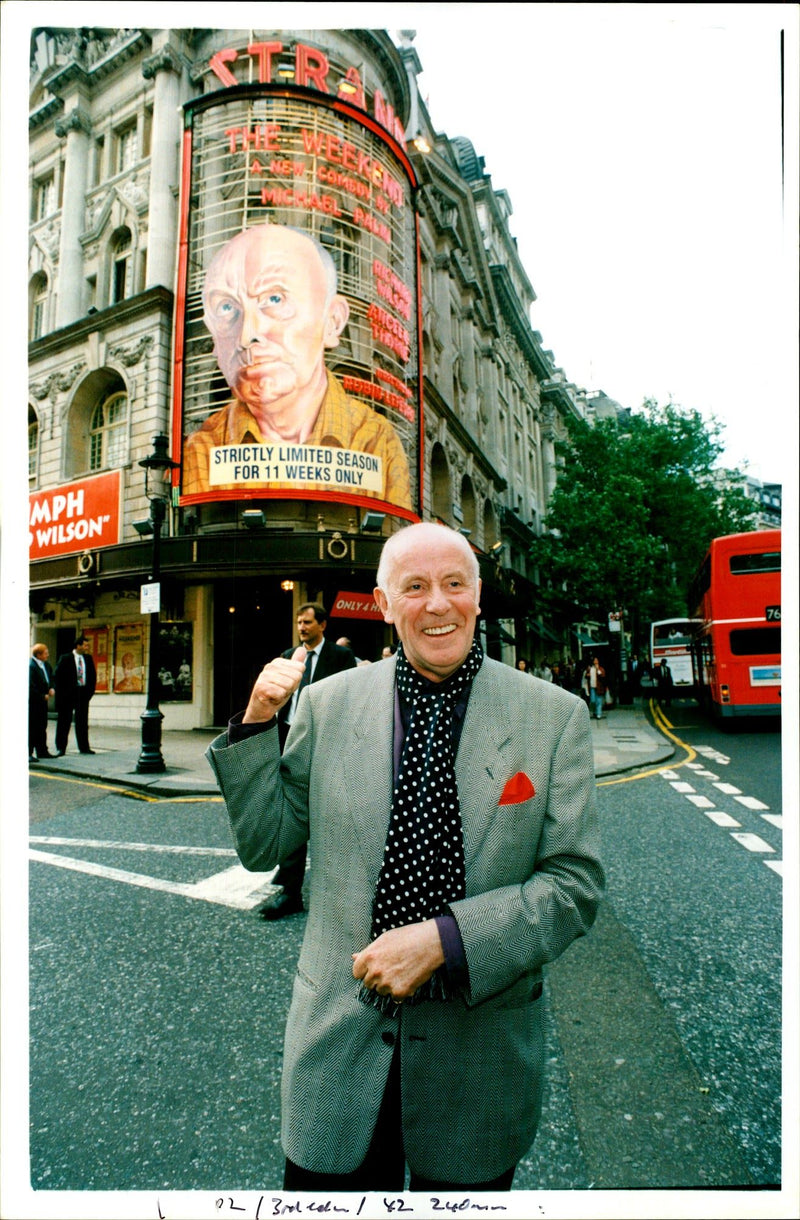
75, 680
40, 689
322, 659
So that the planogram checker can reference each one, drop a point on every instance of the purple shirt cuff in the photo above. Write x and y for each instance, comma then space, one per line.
455, 960
240, 732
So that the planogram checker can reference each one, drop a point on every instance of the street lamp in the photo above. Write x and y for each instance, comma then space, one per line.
151, 758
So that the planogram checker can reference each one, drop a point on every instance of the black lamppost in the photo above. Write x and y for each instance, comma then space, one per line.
151, 758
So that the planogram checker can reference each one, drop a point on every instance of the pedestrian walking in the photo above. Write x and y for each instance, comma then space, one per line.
594, 678
665, 683
415, 1032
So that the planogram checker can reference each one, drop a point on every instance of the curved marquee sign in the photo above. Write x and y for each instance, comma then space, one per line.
296, 352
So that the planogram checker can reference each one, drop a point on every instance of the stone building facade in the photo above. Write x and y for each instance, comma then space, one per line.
107, 180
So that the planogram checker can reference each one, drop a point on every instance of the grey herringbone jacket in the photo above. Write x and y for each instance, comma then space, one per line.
471, 1067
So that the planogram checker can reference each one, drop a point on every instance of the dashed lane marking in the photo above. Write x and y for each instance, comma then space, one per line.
751, 842
775, 819
710, 752
721, 819
751, 802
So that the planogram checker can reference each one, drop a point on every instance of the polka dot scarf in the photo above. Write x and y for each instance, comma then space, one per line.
423, 860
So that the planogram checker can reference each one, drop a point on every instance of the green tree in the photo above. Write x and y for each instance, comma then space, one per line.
637, 502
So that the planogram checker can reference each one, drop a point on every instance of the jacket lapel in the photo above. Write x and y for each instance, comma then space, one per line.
480, 769
367, 748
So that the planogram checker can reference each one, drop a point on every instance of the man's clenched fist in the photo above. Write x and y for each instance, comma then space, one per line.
275, 686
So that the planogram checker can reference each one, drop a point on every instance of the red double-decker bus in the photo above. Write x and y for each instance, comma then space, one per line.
736, 595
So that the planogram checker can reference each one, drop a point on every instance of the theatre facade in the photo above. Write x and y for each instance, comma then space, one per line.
223, 220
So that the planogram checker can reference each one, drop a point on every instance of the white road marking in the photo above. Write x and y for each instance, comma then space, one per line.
240, 889
721, 819
728, 789
750, 802
54, 841
710, 752
707, 774
775, 819
702, 802
776, 866
681, 786
236, 887
669, 774
751, 842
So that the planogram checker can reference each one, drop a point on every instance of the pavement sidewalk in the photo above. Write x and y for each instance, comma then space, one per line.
623, 741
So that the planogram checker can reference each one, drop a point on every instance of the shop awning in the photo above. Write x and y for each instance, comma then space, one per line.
496, 632
543, 632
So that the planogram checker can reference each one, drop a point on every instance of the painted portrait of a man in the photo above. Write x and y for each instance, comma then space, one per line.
272, 307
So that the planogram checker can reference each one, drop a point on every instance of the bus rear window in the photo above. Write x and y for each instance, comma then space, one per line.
756, 641
768, 561
664, 636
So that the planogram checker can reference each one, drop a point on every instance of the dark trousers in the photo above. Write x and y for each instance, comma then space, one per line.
64, 722
384, 1167
37, 725
291, 871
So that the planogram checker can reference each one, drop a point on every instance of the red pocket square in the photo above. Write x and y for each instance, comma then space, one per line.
519, 788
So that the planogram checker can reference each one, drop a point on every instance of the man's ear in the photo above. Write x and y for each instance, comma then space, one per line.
382, 603
478, 596
338, 314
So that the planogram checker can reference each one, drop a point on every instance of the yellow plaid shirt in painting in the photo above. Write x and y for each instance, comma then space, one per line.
343, 423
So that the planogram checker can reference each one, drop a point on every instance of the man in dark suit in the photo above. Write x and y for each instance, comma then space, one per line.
76, 679
322, 658
40, 689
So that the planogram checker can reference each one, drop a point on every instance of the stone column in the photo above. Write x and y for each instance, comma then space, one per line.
549, 469
76, 127
162, 241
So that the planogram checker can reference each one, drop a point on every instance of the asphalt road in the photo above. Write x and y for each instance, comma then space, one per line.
158, 998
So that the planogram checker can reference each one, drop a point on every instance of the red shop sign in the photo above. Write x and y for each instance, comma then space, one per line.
355, 605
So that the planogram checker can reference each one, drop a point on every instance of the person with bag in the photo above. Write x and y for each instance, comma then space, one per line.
594, 684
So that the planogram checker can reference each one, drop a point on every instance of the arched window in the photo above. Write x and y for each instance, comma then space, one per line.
33, 446
38, 305
108, 433
468, 508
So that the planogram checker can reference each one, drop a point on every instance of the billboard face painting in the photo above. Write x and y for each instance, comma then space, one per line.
297, 333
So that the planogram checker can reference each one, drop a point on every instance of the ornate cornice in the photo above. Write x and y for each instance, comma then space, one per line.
131, 353
58, 382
